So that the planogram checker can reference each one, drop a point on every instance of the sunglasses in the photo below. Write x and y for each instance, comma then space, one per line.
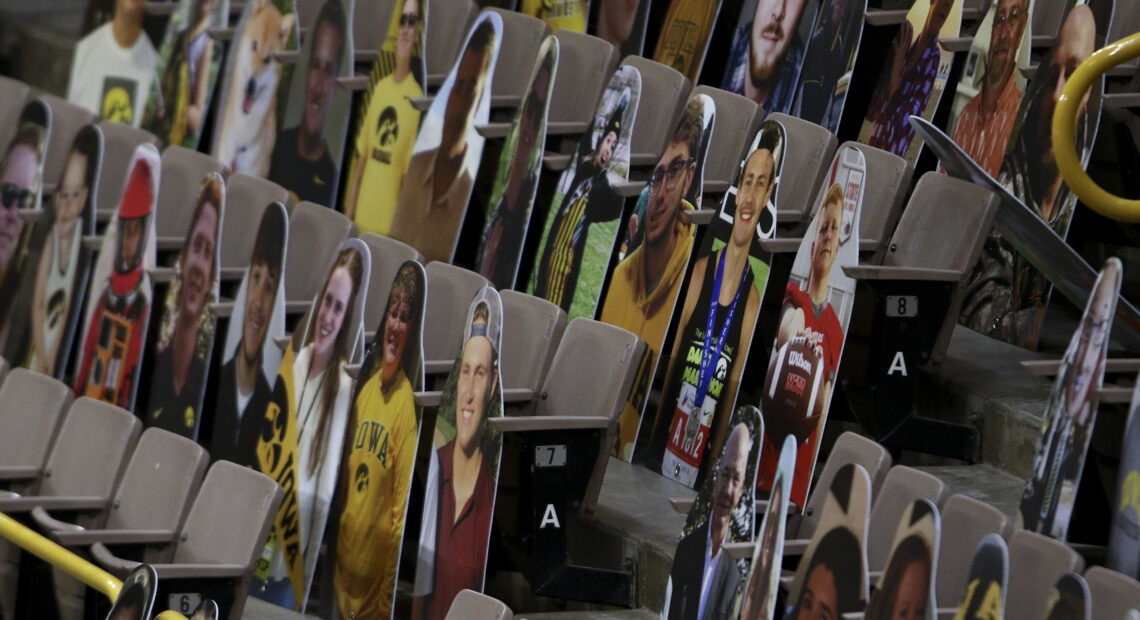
13, 195
407, 20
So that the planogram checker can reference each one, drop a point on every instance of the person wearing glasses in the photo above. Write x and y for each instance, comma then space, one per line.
17, 191
388, 133
986, 122
704, 577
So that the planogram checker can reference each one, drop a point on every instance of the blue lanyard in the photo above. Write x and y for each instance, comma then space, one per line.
708, 367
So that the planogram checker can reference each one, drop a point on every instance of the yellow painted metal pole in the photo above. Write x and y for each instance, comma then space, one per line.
1065, 122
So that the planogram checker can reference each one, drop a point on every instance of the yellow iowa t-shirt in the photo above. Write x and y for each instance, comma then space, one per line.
386, 139
559, 14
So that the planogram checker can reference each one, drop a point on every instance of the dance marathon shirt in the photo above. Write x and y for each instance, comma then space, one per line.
110, 80
824, 329
893, 132
385, 140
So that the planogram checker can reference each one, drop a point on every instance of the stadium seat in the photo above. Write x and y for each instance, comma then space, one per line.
901, 487
849, 448
518, 53
664, 91
246, 199
807, 157
315, 232
888, 177
220, 542
965, 521
450, 290
13, 95
585, 62
1036, 562
370, 20
447, 25
387, 256
1113, 594
119, 144
532, 330
470, 605
182, 173
732, 135
26, 439
66, 119
4, 368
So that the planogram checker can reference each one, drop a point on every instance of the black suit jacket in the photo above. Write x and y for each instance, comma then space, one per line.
687, 574
234, 441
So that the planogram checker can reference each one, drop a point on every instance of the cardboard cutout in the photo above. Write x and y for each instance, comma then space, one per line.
622, 23
726, 286
119, 299
1006, 296
1069, 599
188, 63
828, 63
436, 189
181, 360
758, 600
913, 78
387, 123
644, 287
251, 356
516, 181
990, 85
309, 149
813, 324
1124, 537
723, 512
580, 228
835, 554
303, 427
558, 14
1070, 414
456, 528
380, 453
985, 587
684, 36
246, 129
206, 610
906, 587
136, 596
769, 74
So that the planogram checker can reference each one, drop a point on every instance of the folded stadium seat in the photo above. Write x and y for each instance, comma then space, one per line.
66, 120
370, 19
1036, 562
315, 232
585, 62
119, 144
387, 256
965, 521
901, 487
906, 309
518, 52
13, 95
732, 135
664, 91
533, 329
1113, 593
559, 455
81, 471
26, 439
182, 173
471, 605
246, 199
807, 158
447, 25
161, 478
219, 543
450, 290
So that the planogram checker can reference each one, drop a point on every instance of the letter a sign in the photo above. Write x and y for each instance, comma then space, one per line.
898, 364
550, 517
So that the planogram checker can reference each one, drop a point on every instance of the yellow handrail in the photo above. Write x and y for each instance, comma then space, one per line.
1065, 122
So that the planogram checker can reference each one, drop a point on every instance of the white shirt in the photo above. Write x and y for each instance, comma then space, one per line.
110, 80
707, 575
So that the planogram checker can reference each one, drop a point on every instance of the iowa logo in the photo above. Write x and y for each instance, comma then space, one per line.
1130, 493
117, 105
387, 127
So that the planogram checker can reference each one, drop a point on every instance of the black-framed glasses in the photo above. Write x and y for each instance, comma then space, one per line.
1001, 19
13, 195
407, 20
669, 175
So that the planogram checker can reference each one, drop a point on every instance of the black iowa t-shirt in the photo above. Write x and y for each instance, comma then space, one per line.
306, 180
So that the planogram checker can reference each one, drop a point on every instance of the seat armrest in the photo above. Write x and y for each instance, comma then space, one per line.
30, 215
282, 342
428, 399
1115, 395
47, 523
436, 79
353, 370
160, 7
852, 615
868, 245
365, 56
795, 547
421, 104
505, 101
231, 274
167, 244
19, 472
882, 17
556, 161
716, 187
93, 242
563, 128
199, 571
438, 367
286, 57
701, 217
627, 189
642, 159
223, 309
682, 504
78, 504
780, 246
111, 562
114, 537
880, 272
161, 275
739, 550
517, 395
522, 424
493, 130
945, 613
221, 34
353, 83
297, 306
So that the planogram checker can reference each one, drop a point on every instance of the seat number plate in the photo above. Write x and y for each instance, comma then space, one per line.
185, 602
902, 305
550, 456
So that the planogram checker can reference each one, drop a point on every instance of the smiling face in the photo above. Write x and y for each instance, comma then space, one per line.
260, 295
198, 261
72, 192
409, 29
730, 474
324, 62
1010, 18
605, 149
665, 198
773, 27
820, 598
1074, 44
397, 322
755, 191
463, 101
826, 243
332, 311
476, 384
19, 175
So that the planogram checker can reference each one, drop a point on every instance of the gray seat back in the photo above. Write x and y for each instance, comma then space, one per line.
731, 134
532, 329
901, 487
182, 173
471, 605
447, 24
664, 91
315, 232
370, 20
584, 65
450, 290
1036, 562
31, 409
806, 158
1113, 594
387, 256
164, 465
849, 448
246, 199
888, 178
13, 95
4, 368
965, 521
573, 384
119, 144
518, 52
66, 120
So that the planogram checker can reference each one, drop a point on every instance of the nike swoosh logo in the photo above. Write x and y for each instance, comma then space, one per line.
317, 180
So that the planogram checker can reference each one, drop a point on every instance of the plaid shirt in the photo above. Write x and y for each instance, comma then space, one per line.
985, 135
892, 127
783, 93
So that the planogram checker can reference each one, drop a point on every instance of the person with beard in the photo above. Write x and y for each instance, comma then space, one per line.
379, 458
503, 237
828, 55
180, 368
1006, 295
906, 86
704, 577
438, 184
302, 160
767, 54
986, 122
243, 386
589, 198
122, 310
